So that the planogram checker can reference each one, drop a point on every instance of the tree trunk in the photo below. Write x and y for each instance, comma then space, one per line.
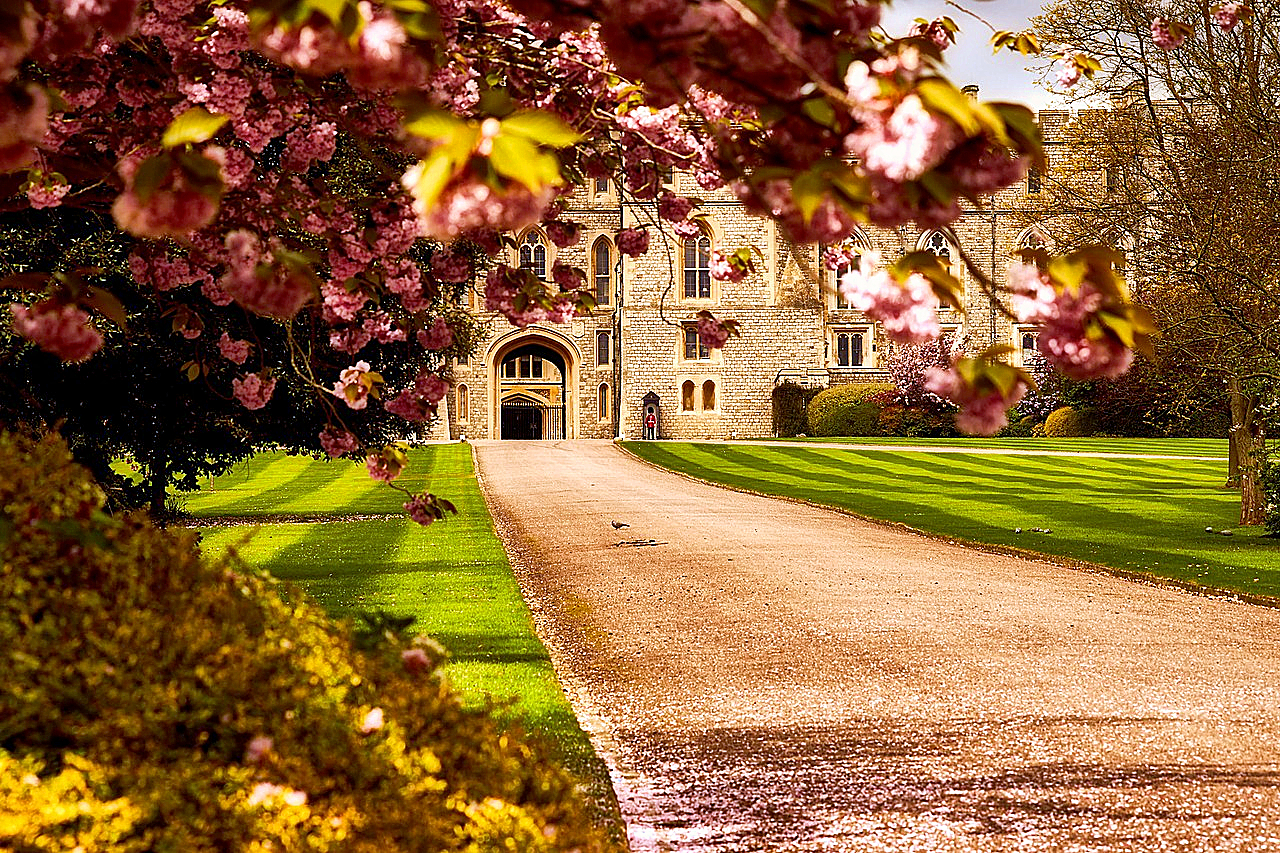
158, 485
1247, 438
1233, 460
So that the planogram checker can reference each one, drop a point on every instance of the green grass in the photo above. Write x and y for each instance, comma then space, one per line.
1136, 515
1216, 447
453, 576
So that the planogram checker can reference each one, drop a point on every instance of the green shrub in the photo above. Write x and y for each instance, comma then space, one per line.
157, 701
1021, 428
1271, 497
1067, 422
899, 419
839, 411
790, 409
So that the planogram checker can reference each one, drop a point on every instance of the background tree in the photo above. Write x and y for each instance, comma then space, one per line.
1179, 170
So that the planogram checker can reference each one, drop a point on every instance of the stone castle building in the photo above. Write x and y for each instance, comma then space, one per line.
597, 376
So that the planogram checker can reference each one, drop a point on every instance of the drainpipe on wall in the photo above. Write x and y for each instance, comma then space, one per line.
993, 275
617, 328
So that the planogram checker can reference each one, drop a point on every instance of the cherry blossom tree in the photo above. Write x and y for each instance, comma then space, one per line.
206, 127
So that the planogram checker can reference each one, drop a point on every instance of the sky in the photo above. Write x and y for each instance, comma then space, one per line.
1001, 77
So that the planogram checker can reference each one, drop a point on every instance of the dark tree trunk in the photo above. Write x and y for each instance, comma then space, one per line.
157, 485
1247, 439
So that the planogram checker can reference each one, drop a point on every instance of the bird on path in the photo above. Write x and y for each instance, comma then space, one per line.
618, 525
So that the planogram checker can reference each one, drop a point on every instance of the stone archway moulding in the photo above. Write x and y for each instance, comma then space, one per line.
552, 339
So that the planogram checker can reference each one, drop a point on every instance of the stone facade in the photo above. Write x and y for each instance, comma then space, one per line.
597, 369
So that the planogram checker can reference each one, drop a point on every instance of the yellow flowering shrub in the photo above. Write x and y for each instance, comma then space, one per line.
153, 700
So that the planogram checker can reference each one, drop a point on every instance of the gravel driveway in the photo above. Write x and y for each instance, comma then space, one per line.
775, 677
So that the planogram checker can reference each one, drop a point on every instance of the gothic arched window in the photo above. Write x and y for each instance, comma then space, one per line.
533, 254
697, 268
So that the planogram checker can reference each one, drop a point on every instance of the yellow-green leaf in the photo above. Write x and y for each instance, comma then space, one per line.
194, 126
541, 127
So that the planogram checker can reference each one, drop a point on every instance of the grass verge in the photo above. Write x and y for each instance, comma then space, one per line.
1140, 516
344, 540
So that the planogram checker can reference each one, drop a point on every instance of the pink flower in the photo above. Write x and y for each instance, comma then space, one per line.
674, 208
1227, 15
353, 386
450, 266
337, 442
425, 508
438, 337
415, 660
727, 268
569, 278
1032, 295
935, 31
467, 203
908, 310
341, 304
907, 143
1163, 34
278, 291
42, 195
633, 241
382, 468
232, 350
712, 333
411, 406
982, 412
563, 234
372, 721
295, 798
257, 749
1069, 72
349, 340
253, 391
63, 330
180, 203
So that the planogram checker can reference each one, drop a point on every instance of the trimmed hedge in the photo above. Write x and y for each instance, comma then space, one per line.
790, 409
846, 410
1067, 422
155, 700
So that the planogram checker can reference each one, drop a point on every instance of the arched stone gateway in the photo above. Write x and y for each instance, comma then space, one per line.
534, 381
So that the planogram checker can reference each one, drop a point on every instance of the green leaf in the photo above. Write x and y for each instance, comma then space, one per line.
821, 111
808, 191
150, 174
521, 160
541, 127
195, 125
496, 102
106, 304
1068, 270
433, 124
436, 171
942, 97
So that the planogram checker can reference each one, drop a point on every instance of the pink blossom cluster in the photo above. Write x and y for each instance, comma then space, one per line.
1071, 338
829, 223
632, 241
1227, 15
341, 304
418, 402
450, 266
1069, 72
907, 309
840, 258
233, 350
468, 203
424, 508
58, 328
384, 467
258, 748
151, 264
727, 267
567, 277
520, 297
437, 336
253, 390
354, 385
271, 289
180, 204
47, 193
983, 411
935, 31
563, 234
337, 442
1164, 35
372, 721
713, 333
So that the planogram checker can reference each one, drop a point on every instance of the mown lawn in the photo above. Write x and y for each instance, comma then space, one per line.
1138, 515
344, 539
